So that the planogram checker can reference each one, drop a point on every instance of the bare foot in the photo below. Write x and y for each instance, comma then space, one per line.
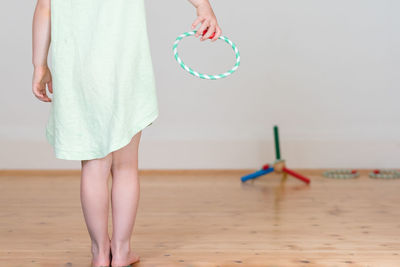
125, 260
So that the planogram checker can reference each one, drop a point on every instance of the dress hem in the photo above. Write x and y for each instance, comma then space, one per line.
77, 155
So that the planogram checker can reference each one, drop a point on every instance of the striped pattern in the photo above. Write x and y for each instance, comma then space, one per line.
341, 174
200, 75
385, 174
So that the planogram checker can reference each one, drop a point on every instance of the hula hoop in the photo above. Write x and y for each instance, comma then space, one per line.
200, 75
385, 174
342, 174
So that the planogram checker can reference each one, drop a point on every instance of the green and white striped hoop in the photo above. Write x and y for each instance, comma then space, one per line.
342, 174
385, 174
200, 75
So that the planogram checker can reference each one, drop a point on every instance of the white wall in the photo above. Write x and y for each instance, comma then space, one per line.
325, 71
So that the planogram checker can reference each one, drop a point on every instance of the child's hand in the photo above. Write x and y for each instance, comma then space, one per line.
206, 16
41, 78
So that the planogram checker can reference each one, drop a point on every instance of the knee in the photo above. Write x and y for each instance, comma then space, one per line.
98, 164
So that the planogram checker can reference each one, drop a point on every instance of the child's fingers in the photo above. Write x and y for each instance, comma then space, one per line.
204, 26
210, 31
196, 22
45, 98
39, 91
50, 86
218, 33
36, 90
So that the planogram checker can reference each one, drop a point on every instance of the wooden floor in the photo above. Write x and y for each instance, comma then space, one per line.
210, 219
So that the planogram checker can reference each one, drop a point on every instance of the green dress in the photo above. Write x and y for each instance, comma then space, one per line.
103, 81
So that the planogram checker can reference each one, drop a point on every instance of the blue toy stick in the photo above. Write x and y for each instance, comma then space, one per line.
256, 174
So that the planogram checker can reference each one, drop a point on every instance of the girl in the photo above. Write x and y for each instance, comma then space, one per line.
104, 96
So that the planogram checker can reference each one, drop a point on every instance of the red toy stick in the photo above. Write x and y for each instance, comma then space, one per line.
212, 35
295, 174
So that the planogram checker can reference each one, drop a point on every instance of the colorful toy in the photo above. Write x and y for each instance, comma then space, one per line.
278, 166
342, 174
200, 75
385, 174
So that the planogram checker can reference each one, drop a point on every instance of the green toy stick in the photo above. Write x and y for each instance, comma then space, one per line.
277, 150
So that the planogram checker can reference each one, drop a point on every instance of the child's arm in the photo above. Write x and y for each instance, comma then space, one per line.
40, 48
206, 16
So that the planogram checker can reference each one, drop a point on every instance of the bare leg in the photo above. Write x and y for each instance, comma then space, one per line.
124, 200
95, 203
